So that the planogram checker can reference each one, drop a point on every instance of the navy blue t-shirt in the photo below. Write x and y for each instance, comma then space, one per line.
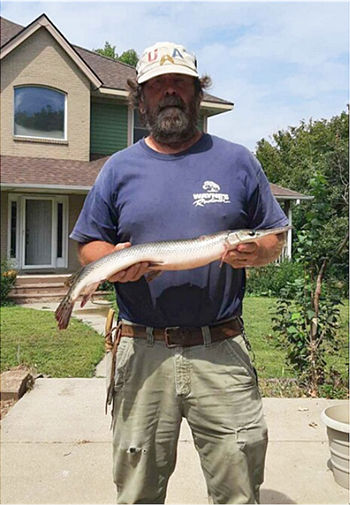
143, 196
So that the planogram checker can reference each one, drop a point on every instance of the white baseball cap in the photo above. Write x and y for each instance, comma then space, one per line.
165, 58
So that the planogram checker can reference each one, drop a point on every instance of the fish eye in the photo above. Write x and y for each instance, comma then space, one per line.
252, 233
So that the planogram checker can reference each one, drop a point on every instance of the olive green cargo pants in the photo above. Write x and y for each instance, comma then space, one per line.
214, 387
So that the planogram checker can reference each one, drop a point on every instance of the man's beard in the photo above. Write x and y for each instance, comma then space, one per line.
171, 122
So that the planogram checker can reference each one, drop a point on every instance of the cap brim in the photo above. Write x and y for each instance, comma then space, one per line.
167, 69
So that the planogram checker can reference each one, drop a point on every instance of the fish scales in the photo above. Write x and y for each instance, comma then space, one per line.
183, 254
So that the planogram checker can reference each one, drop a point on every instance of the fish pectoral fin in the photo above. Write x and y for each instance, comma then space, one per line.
153, 275
89, 290
152, 264
223, 257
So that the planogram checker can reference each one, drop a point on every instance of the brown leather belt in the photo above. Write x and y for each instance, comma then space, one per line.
184, 336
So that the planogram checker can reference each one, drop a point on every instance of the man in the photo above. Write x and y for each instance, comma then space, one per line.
183, 351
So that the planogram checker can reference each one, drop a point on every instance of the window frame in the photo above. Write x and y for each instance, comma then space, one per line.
133, 126
36, 137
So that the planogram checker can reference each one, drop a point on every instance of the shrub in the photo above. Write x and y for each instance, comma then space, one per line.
8, 278
271, 279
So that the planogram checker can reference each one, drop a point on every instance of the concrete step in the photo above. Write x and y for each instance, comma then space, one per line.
43, 288
22, 280
49, 297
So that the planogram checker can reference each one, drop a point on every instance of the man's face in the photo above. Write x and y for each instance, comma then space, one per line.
170, 107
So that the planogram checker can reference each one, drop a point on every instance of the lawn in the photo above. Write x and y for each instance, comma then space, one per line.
31, 337
270, 358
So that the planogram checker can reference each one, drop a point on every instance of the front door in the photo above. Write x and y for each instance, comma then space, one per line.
38, 231
38, 245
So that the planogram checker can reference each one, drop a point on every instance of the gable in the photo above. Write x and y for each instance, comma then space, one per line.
39, 23
41, 61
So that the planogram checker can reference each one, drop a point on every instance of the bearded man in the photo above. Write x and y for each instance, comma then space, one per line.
182, 350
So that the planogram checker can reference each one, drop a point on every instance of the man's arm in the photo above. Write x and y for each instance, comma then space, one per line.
92, 251
257, 254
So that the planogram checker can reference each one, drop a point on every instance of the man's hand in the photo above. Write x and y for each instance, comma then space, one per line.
95, 250
131, 274
256, 254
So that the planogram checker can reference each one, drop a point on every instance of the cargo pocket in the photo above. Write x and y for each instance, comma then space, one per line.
121, 366
115, 378
238, 350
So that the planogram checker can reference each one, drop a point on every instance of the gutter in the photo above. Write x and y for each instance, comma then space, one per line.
52, 188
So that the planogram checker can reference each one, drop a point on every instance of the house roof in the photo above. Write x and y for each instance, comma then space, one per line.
9, 30
287, 194
105, 73
48, 173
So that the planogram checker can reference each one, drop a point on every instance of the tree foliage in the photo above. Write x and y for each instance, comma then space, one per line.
129, 57
313, 159
308, 327
299, 156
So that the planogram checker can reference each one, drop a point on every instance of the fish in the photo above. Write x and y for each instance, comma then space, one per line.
179, 254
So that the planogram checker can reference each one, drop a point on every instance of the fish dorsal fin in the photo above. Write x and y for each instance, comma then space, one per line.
70, 281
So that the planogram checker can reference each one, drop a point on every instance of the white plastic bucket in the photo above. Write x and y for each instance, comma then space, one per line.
336, 419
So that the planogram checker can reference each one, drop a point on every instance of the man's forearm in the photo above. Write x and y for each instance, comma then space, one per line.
269, 249
92, 251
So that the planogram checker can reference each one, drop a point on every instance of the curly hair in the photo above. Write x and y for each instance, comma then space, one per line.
136, 90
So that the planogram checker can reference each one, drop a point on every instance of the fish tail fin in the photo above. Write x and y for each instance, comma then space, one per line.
64, 311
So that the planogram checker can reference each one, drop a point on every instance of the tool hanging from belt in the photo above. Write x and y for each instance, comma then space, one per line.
112, 339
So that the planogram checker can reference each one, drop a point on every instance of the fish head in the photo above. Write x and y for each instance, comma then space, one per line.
236, 237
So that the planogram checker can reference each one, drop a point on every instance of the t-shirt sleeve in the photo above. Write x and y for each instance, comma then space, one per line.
263, 209
98, 218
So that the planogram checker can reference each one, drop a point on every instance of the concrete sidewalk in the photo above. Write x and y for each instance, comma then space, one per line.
56, 448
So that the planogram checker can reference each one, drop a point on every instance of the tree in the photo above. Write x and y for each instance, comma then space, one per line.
294, 157
308, 325
313, 158
129, 57
108, 50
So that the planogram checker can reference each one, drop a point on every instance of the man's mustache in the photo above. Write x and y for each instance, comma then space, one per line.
171, 101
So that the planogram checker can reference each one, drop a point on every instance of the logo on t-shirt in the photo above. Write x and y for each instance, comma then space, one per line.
212, 195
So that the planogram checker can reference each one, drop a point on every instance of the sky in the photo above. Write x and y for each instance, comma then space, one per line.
278, 62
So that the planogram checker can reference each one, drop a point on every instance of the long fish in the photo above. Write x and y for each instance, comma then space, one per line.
183, 254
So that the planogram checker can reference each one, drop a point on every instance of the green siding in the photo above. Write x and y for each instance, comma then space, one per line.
109, 128
201, 122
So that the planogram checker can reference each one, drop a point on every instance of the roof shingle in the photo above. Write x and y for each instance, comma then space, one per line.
49, 171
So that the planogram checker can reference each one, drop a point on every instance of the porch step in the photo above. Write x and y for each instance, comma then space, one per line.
49, 297
22, 280
50, 287
45, 288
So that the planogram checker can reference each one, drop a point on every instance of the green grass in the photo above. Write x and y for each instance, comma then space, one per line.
31, 337
269, 358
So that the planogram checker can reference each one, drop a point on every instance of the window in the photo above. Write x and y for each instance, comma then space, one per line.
139, 130
40, 112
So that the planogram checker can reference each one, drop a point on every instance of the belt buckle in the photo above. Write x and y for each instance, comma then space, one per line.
166, 336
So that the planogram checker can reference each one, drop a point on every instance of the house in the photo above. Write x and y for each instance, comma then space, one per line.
64, 111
